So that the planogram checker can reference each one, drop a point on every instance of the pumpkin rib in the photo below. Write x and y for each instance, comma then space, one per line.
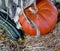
46, 19
52, 19
44, 25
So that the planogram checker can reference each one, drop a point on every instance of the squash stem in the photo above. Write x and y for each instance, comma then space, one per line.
20, 39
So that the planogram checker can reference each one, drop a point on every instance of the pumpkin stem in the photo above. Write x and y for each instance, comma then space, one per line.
35, 8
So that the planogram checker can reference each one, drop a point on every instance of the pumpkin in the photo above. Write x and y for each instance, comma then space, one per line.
45, 18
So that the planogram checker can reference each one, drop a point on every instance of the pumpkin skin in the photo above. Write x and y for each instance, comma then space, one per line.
45, 18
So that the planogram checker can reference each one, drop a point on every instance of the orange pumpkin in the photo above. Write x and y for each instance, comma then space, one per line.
45, 18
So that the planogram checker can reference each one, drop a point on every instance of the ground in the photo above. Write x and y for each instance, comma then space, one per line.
49, 42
